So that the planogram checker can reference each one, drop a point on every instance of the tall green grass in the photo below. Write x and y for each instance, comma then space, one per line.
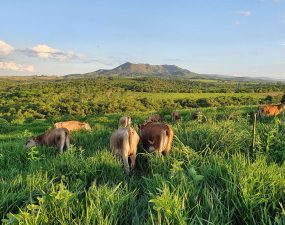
210, 177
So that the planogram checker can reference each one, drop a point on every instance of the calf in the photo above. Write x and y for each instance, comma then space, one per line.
175, 116
124, 143
156, 137
270, 110
73, 125
155, 118
56, 137
125, 121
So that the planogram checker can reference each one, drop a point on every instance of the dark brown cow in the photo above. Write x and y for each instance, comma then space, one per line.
175, 116
271, 110
156, 137
155, 118
124, 143
56, 137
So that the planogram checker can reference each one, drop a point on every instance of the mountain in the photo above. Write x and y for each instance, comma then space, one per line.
164, 71
142, 70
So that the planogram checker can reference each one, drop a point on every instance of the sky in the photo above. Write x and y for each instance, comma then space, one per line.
58, 37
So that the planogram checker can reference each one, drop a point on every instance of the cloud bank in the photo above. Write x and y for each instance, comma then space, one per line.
11, 65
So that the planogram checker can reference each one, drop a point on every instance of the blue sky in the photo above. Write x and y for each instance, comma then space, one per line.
232, 37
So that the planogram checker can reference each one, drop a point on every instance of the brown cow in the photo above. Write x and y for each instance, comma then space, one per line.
270, 110
124, 142
55, 137
156, 137
73, 125
175, 116
155, 118
125, 121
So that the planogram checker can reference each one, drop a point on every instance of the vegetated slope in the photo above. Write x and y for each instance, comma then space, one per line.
163, 71
142, 70
210, 177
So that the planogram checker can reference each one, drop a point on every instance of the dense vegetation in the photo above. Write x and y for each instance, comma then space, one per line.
21, 100
212, 175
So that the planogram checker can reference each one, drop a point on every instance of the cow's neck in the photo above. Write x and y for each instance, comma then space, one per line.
39, 139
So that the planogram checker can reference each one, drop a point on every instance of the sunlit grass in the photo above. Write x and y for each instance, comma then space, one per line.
210, 177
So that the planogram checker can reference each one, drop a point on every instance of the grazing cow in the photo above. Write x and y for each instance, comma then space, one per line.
175, 116
55, 137
73, 125
156, 137
155, 118
125, 121
270, 110
124, 142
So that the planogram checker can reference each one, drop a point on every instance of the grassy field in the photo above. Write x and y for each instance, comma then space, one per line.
210, 177
195, 96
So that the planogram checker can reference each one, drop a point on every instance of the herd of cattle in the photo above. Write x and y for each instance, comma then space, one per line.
155, 135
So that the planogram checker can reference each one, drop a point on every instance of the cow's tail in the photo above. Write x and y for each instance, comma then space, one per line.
169, 134
66, 140
131, 138
163, 139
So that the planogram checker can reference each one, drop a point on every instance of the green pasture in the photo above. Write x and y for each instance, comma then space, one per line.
211, 176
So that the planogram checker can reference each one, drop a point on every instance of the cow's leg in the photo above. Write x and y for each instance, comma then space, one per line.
126, 163
67, 143
133, 161
61, 143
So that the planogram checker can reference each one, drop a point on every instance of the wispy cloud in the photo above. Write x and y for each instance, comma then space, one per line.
5, 48
237, 23
11, 65
243, 13
46, 52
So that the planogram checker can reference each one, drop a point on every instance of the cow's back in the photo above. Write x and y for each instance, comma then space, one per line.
153, 133
72, 125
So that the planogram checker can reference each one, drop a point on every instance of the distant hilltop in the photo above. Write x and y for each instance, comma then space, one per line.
136, 70
142, 70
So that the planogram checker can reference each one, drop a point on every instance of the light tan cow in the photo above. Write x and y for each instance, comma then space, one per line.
124, 143
125, 121
73, 125
55, 137
156, 137
175, 116
271, 110
155, 118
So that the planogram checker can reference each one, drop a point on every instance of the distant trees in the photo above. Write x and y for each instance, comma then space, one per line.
52, 98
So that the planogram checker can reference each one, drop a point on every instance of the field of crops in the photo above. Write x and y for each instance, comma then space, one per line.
212, 176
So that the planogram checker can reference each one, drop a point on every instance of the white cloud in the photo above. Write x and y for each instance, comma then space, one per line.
16, 67
282, 43
46, 52
243, 13
5, 49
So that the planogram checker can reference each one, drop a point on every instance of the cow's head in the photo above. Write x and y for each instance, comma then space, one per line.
31, 142
86, 126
